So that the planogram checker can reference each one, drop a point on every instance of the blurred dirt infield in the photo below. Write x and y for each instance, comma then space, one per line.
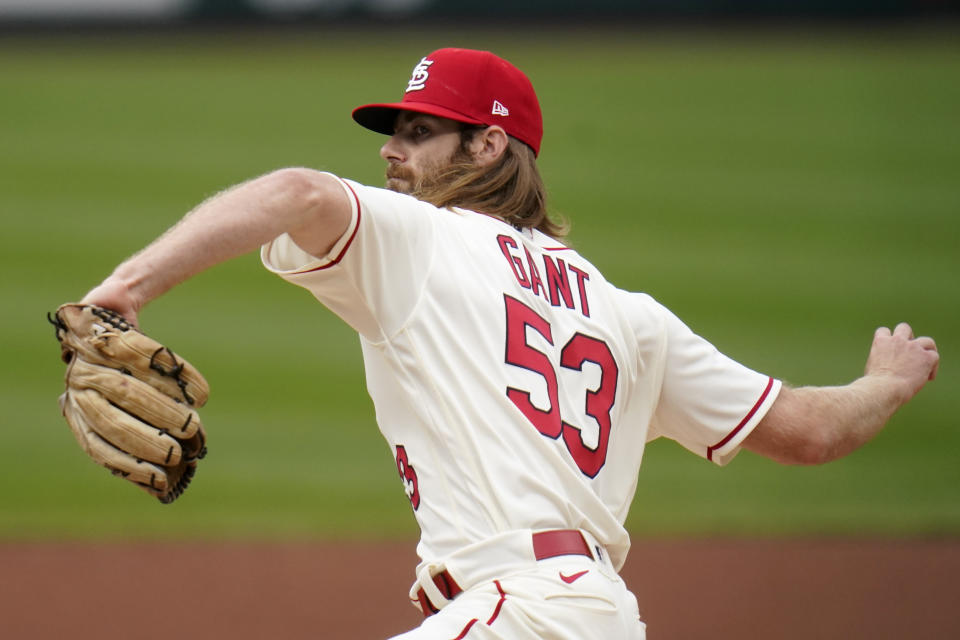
716, 589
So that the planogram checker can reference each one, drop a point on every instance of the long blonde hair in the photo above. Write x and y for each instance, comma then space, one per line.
510, 189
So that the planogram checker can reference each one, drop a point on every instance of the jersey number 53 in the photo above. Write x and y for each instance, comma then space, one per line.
578, 350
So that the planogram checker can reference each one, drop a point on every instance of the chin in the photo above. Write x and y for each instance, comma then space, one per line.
400, 186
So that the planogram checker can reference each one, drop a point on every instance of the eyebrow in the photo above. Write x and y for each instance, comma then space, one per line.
410, 117
406, 118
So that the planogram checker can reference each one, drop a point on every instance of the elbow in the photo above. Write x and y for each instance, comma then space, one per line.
793, 442
794, 432
816, 447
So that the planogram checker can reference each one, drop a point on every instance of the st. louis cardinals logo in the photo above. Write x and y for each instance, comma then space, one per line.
421, 72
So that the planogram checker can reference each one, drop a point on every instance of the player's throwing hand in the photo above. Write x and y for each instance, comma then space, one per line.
909, 361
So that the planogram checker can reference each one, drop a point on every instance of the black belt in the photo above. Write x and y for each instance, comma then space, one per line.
546, 544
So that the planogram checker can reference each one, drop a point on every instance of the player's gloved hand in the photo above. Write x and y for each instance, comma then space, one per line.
130, 401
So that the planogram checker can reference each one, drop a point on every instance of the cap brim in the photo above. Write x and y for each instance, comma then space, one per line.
382, 117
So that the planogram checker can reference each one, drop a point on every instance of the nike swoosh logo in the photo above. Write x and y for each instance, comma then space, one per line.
573, 578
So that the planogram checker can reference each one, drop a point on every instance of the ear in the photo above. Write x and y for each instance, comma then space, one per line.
488, 145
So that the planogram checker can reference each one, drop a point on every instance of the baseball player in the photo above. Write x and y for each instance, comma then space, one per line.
515, 386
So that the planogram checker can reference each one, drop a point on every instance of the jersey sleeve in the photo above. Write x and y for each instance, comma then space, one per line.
708, 402
373, 275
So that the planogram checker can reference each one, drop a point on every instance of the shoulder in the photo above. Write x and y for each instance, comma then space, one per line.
376, 198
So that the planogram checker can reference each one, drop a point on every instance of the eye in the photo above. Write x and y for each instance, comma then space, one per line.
420, 131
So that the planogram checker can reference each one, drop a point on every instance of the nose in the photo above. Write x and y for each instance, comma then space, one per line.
392, 150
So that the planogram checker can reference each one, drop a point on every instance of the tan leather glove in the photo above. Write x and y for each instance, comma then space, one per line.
130, 401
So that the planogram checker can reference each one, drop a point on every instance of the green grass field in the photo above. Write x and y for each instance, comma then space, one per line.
783, 193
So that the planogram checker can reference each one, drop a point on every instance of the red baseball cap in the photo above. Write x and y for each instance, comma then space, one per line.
475, 87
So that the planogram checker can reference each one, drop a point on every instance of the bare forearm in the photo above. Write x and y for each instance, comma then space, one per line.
860, 410
812, 425
820, 424
228, 225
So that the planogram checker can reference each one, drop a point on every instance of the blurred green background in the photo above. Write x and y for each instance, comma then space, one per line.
784, 192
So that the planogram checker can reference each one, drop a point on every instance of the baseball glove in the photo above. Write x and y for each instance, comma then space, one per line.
130, 401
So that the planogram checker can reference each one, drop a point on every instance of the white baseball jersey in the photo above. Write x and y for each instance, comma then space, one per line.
515, 386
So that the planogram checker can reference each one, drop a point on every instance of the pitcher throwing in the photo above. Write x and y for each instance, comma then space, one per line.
515, 386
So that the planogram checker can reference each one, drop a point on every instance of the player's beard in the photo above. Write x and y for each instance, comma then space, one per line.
403, 180
400, 179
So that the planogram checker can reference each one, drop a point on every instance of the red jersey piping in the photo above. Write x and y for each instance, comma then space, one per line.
349, 242
743, 422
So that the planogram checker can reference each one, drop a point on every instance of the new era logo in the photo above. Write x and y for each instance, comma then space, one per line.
499, 109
